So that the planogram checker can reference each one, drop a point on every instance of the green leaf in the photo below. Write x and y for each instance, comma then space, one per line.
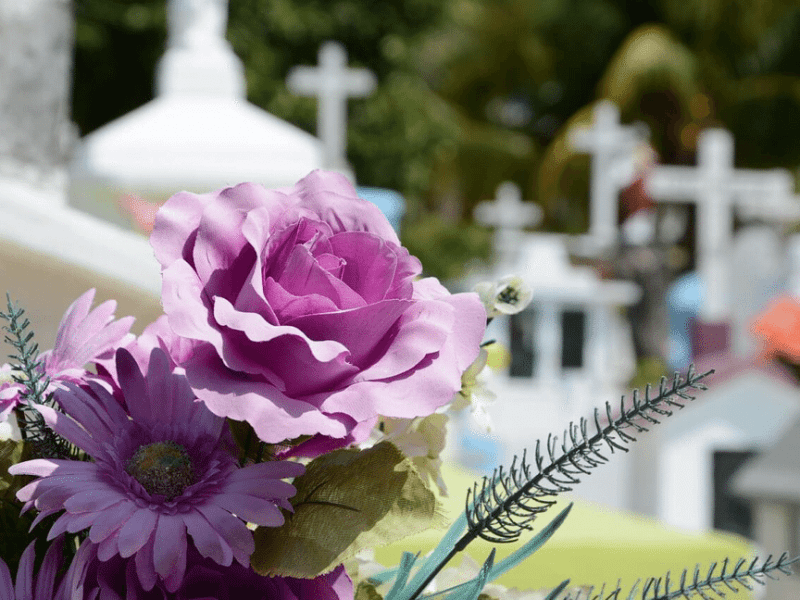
346, 500
367, 591
472, 590
531, 546
10, 454
447, 543
406, 563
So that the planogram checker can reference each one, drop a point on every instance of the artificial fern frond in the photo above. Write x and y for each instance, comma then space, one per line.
44, 441
689, 587
502, 507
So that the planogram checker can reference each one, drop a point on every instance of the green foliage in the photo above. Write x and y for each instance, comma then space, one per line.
445, 248
374, 496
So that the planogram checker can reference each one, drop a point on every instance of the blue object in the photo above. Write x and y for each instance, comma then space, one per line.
391, 203
684, 298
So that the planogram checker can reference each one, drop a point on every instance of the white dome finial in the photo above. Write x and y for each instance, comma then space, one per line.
197, 23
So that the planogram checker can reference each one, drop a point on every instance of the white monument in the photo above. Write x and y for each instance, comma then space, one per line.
509, 215
332, 82
198, 134
612, 147
571, 350
716, 187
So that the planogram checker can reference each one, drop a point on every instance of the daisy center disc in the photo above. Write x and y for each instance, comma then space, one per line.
162, 468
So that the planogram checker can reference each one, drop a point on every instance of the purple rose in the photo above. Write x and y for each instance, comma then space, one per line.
305, 310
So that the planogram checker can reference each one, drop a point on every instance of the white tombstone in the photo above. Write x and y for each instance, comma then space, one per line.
716, 187
749, 409
333, 83
198, 134
509, 216
612, 147
555, 393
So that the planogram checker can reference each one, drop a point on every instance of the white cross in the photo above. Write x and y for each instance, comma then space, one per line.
509, 215
612, 148
716, 187
332, 82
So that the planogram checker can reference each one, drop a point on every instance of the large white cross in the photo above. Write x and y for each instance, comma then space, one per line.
612, 148
332, 82
509, 215
716, 187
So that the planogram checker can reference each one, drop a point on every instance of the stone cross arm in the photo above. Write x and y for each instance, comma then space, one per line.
306, 81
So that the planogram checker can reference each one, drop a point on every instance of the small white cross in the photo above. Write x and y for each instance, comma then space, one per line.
509, 215
612, 148
716, 187
332, 82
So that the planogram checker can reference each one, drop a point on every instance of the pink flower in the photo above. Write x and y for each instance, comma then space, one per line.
85, 337
28, 586
307, 311
10, 394
116, 579
162, 468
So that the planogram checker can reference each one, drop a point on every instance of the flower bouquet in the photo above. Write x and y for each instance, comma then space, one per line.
284, 414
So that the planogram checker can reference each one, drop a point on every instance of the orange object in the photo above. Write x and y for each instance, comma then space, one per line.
779, 327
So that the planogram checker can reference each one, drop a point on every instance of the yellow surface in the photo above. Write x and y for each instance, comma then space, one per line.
594, 545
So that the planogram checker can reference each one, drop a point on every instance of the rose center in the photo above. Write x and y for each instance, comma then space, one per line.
162, 468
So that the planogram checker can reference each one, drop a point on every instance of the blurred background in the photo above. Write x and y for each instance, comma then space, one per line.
474, 92
635, 162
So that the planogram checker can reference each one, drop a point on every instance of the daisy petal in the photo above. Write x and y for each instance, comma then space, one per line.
169, 546
135, 533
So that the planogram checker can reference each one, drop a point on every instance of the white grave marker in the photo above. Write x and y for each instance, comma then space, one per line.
612, 148
716, 186
332, 82
509, 215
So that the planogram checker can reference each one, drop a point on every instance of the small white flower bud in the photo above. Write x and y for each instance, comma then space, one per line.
507, 296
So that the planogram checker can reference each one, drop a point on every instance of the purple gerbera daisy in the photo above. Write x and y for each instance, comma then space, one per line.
115, 579
28, 587
163, 468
